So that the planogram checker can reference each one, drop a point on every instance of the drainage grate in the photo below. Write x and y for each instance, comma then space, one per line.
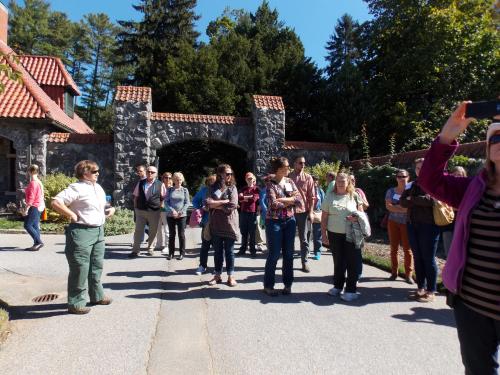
46, 298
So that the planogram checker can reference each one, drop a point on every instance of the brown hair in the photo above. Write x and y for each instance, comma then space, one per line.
277, 163
83, 167
33, 169
222, 169
210, 180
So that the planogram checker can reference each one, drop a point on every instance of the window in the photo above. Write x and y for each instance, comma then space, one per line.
69, 104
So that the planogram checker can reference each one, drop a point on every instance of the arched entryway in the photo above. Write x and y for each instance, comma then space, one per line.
8, 168
198, 158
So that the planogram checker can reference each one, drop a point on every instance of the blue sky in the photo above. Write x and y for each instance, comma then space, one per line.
312, 20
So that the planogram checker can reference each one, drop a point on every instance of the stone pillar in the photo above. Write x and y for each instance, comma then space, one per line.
38, 140
268, 115
131, 141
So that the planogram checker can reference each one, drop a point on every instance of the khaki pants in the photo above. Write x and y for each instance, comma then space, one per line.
162, 233
398, 234
143, 217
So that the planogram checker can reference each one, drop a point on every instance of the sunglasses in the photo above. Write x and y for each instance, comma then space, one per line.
229, 174
151, 172
95, 171
494, 139
404, 176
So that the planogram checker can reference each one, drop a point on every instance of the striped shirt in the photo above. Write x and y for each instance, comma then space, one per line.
480, 288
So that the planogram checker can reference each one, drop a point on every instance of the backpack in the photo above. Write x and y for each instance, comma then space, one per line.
443, 214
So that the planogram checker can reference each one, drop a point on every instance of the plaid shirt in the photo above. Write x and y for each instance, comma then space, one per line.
277, 210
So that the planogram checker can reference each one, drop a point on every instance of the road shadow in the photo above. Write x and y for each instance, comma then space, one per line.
139, 274
24, 312
11, 248
443, 317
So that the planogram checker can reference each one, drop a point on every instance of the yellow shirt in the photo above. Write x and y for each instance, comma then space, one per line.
338, 208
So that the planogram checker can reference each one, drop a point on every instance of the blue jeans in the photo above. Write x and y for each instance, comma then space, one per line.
248, 222
280, 238
223, 246
32, 224
424, 240
205, 247
317, 239
479, 338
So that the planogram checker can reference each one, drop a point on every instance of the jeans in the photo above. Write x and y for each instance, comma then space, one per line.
304, 229
205, 247
346, 258
223, 246
85, 255
180, 223
32, 224
479, 338
248, 223
317, 240
280, 238
424, 240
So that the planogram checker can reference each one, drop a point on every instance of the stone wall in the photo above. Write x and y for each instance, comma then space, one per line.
62, 158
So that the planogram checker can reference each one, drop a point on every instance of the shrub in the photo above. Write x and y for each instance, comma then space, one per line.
375, 181
321, 169
53, 184
471, 165
122, 222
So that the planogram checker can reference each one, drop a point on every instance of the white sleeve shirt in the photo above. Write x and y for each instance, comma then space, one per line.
86, 200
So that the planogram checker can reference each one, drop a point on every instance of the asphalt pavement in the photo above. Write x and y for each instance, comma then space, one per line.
166, 320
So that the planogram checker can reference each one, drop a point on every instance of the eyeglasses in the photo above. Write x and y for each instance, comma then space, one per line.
494, 139
95, 171
151, 172
402, 176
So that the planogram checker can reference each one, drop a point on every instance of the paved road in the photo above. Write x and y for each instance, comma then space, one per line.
166, 320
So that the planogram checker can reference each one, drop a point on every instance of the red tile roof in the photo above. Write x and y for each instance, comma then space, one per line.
317, 146
472, 150
48, 70
133, 94
269, 102
28, 100
204, 119
80, 138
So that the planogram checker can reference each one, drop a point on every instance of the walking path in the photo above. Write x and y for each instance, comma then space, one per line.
166, 320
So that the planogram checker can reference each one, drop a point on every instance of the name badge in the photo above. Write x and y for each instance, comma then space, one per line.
396, 197
288, 187
218, 193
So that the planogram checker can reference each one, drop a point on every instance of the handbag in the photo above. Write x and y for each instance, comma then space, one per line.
316, 217
195, 218
443, 214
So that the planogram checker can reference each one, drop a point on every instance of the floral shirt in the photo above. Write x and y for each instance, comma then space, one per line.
277, 210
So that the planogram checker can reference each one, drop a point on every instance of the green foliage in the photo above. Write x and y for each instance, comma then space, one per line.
54, 184
10, 224
122, 222
375, 181
7, 71
471, 165
321, 169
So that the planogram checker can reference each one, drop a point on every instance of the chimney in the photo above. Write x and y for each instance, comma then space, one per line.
4, 22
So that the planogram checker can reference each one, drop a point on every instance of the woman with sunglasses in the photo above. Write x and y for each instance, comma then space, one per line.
472, 271
162, 233
222, 201
396, 226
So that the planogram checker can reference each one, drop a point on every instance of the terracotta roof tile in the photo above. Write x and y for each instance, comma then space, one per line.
28, 100
269, 102
318, 146
48, 70
133, 94
205, 119
80, 138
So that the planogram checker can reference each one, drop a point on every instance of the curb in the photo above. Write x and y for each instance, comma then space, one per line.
22, 231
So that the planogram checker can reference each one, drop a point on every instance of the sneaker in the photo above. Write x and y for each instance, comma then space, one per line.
164, 251
287, 290
260, 248
334, 292
317, 256
393, 277
78, 310
201, 270
305, 268
133, 255
271, 292
409, 280
348, 297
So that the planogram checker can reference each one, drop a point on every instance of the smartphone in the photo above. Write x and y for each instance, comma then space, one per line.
481, 110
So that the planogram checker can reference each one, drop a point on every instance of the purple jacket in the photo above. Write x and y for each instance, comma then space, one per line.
463, 193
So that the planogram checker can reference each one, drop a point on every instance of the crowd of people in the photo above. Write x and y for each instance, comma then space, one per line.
290, 201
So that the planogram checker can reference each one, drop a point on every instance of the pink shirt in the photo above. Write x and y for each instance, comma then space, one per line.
34, 194
305, 186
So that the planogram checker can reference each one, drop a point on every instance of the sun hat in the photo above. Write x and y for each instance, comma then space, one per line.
494, 127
